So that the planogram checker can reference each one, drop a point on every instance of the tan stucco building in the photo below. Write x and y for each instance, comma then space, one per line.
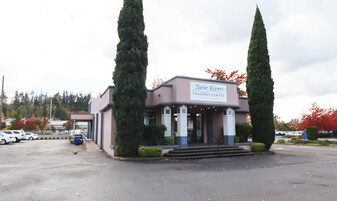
194, 110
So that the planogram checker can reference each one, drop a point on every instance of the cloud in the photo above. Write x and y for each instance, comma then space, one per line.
71, 45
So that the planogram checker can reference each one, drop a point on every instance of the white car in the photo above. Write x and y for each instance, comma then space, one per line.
18, 134
296, 133
5, 139
31, 136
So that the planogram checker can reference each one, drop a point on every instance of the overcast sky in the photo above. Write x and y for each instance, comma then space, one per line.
49, 46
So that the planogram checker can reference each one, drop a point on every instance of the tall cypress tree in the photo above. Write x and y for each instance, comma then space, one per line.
129, 77
260, 85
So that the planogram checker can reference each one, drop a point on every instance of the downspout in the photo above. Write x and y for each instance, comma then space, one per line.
96, 128
101, 145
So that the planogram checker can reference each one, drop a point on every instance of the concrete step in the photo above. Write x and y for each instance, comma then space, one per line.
204, 153
211, 156
206, 147
204, 150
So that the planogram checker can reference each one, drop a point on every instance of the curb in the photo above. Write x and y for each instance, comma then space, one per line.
263, 152
137, 158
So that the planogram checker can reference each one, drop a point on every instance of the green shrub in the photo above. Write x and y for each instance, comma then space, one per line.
297, 140
312, 132
236, 139
324, 143
149, 152
288, 136
281, 141
243, 130
169, 141
258, 147
116, 150
154, 133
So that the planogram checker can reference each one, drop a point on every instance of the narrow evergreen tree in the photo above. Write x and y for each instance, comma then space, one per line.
129, 77
260, 85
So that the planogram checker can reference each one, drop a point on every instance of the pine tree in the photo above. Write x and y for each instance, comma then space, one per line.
129, 77
260, 85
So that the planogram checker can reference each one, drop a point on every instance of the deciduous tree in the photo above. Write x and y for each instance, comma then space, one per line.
322, 118
18, 125
233, 77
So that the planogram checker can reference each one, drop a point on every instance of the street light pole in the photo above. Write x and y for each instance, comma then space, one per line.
1, 99
50, 111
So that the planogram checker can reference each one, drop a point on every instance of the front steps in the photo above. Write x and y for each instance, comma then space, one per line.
206, 152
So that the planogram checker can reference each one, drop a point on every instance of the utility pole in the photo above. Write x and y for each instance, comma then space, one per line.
1, 99
50, 110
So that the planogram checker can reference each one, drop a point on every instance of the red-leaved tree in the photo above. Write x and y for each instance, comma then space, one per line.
324, 119
233, 77
31, 124
156, 82
18, 125
68, 125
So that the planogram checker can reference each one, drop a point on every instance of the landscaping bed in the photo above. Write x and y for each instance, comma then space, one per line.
300, 141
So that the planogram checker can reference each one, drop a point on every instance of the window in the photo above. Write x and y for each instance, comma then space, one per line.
167, 111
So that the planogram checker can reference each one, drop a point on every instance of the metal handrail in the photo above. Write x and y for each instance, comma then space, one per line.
218, 140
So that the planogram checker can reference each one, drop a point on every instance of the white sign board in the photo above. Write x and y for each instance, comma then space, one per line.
208, 92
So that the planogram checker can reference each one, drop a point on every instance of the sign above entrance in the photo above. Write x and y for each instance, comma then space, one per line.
208, 92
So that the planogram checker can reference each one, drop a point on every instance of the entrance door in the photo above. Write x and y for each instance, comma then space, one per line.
194, 128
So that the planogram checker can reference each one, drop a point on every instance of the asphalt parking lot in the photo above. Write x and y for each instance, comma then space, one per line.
48, 170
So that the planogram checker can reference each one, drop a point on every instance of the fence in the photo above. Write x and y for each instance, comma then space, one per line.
53, 137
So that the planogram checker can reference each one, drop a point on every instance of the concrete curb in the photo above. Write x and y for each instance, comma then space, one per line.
263, 152
119, 158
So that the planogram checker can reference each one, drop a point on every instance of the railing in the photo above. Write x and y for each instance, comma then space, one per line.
219, 142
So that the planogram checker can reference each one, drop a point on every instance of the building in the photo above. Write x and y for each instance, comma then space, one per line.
194, 110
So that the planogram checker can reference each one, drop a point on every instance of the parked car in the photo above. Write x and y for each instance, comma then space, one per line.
73, 133
18, 134
5, 138
281, 133
31, 136
296, 133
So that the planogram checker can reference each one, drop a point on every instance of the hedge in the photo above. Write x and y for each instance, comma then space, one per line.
258, 147
116, 150
149, 152
154, 133
243, 130
312, 132
169, 141
281, 141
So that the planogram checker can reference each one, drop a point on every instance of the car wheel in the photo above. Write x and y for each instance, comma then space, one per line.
17, 140
3, 141
30, 138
